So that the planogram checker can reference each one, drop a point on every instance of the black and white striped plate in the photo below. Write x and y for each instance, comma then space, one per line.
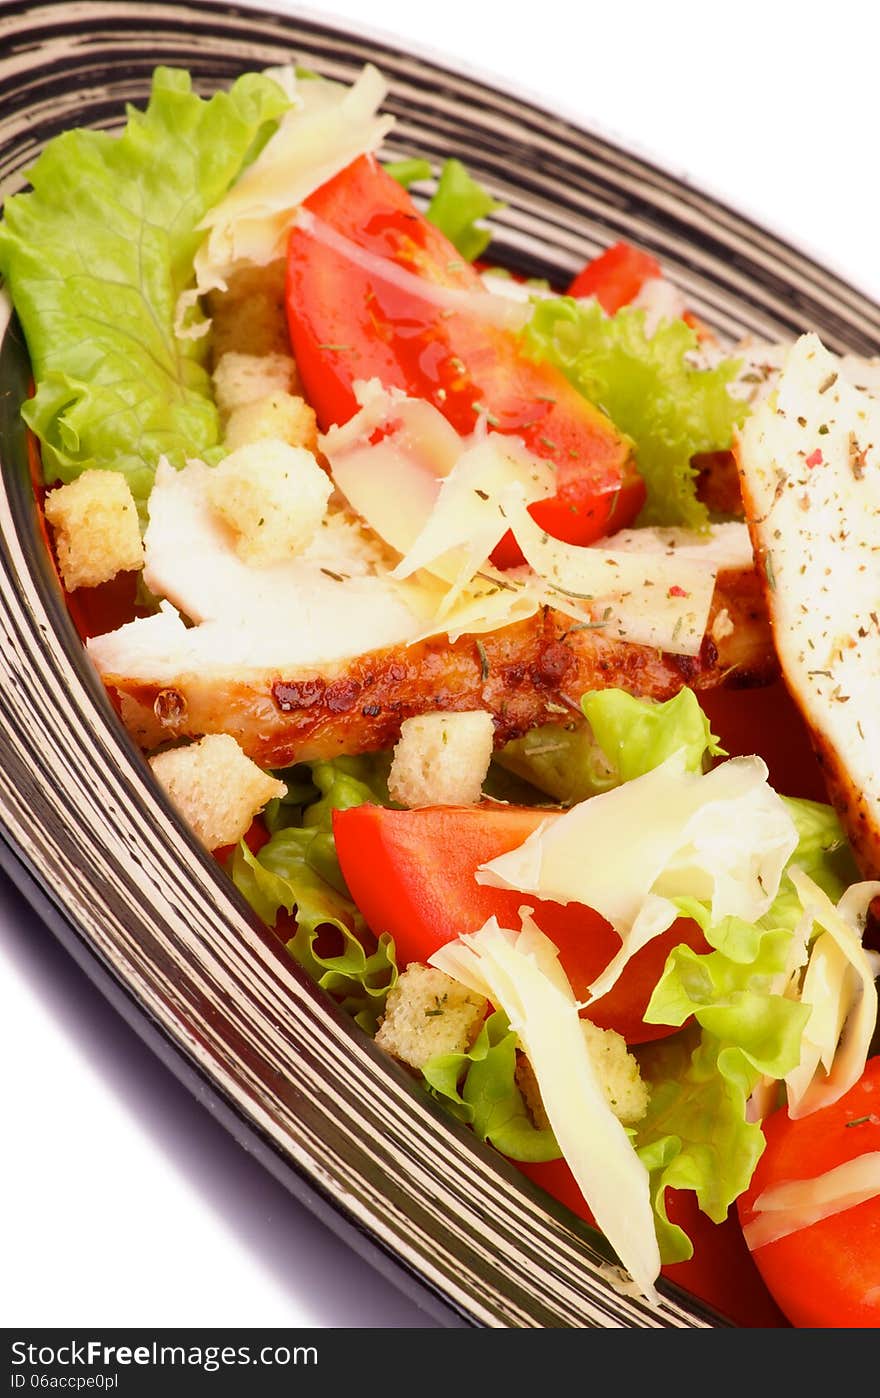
95, 846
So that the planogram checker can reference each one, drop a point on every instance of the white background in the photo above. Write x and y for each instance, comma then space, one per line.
121, 1201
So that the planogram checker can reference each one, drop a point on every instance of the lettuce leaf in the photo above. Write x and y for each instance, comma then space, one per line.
649, 390
695, 1134
734, 1028
623, 738
823, 852
562, 761
456, 208
637, 735
298, 871
96, 256
408, 172
729, 990
458, 204
316, 789
479, 1088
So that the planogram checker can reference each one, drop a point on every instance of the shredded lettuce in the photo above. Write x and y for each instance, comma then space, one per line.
96, 255
298, 871
647, 386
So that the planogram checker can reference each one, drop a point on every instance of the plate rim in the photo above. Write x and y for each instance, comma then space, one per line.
31, 881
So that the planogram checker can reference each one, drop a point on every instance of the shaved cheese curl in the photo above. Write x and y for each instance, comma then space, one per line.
723, 837
520, 974
839, 983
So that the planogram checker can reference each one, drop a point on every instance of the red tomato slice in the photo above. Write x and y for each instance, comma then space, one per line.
347, 323
825, 1276
411, 873
616, 276
721, 1271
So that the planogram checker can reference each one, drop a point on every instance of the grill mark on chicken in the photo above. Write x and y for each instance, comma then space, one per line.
532, 672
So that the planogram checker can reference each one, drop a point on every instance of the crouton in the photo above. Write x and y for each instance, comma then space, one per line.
243, 378
273, 496
276, 415
215, 787
442, 759
250, 317
95, 524
616, 1068
428, 1013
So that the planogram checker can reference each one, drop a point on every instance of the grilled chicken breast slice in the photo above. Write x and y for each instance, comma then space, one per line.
528, 673
809, 463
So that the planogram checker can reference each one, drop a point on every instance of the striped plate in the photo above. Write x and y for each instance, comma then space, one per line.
95, 846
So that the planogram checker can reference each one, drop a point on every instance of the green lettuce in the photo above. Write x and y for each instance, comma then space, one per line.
696, 1134
408, 172
479, 1088
457, 207
458, 204
823, 852
733, 1026
624, 738
560, 761
637, 735
297, 871
648, 388
97, 254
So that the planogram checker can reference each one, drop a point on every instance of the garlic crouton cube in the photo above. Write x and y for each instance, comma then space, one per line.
442, 759
216, 788
618, 1072
275, 415
244, 378
616, 1068
273, 497
249, 316
428, 1013
95, 524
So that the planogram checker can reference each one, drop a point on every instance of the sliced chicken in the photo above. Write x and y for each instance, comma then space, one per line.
809, 461
531, 672
326, 653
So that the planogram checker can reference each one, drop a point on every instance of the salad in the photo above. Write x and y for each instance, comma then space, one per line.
509, 645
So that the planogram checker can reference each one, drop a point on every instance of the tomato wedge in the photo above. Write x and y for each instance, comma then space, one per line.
616, 276
348, 322
411, 873
825, 1275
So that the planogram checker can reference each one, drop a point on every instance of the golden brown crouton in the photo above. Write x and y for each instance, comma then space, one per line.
250, 317
428, 1013
95, 524
279, 415
243, 378
616, 1068
442, 759
215, 787
273, 496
